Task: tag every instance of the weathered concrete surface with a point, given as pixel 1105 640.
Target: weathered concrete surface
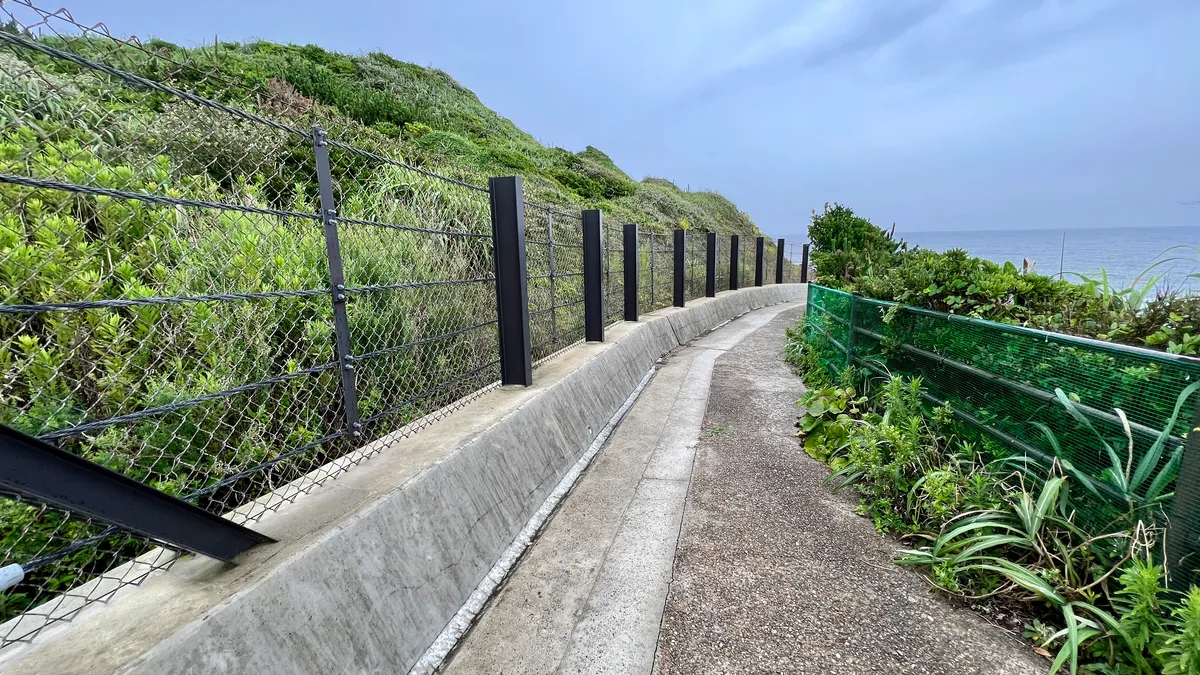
pixel 370 567
pixel 588 598
pixel 775 574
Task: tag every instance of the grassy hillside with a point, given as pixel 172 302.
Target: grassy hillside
pixel 193 330
pixel 426 117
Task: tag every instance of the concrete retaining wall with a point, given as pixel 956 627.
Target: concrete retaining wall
pixel 370 567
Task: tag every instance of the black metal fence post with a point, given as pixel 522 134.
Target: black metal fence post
pixel 760 247
pixel 593 287
pixel 512 283
pixel 631 272
pixel 779 261
pixel 733 262
pixel 680 261
pixel 1183 529
pixel 710 266
pixel 804 265
pixel 337 281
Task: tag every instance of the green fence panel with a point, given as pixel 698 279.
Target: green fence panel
pixel 1001 379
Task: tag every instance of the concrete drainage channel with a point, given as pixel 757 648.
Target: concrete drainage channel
pixel 381 570
pixel 588 596
pixel 433 657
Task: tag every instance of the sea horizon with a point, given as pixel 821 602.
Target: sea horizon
pixel 1088 253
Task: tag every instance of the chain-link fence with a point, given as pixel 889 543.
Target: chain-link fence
pixel 192 296
pixel 554 263
pixel 745 262
pixel 656 265
pixel 614 273
pixel 794 262
pixel 232 295
pixel 695 245
pixel 722 260
pixel 1001 381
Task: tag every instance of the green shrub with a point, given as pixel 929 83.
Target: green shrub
pixel 846 247
pixel 414 130
pixel 369 106
pixel 851 253
pixel 1179 648
pixel 201 140
pixel 388 129
pixel 511 159
pixel 449 145
pixel 984 532
pixel 578 183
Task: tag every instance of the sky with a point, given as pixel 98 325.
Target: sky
pixel 931 114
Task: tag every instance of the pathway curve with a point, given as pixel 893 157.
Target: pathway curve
pixel 701 540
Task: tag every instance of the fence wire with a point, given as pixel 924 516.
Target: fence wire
pixel 169 306
pixel 722 261
pixel 614 273
pixel 770 262
pixel 745 263
pixel 1000 380
pixel 656 265
pixel 166 307
pixel 794 256
pixel 695 247
pixel 554 260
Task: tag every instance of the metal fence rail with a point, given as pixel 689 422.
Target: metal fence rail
pixel 233 296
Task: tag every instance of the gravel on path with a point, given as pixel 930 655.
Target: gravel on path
pixel 775 574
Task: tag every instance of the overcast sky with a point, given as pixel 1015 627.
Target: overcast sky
pixel 934 114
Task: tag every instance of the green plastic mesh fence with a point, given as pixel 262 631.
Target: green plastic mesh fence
pixel 1001 382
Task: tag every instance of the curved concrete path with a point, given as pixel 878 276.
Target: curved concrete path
pixel 701 540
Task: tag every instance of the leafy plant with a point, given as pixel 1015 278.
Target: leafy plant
pixel 826 419
pixel 1179 650
pixel 1142 485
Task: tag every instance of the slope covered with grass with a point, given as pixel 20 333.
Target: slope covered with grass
pixel 168 259
pixel 427 117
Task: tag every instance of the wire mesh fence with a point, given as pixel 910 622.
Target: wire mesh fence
pixel 656 265
pixel 1001 381
pixel 234 295
pixel 554 263
pixel 168 306
pixel 769 262
pixel 746 263
pixel 695 247
pixel 614 273
pixel 794 257
pixel 722 260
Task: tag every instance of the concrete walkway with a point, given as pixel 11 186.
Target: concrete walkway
pixel 765 572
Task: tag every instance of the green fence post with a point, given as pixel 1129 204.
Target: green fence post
pixel 1183 529
pixel 850 335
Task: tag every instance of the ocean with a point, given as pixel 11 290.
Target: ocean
pixel 1123 252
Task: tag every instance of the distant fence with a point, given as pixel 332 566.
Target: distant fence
pixel 1000 381
pixel 231 297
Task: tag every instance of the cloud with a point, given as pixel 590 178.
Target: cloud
pixel 933 113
